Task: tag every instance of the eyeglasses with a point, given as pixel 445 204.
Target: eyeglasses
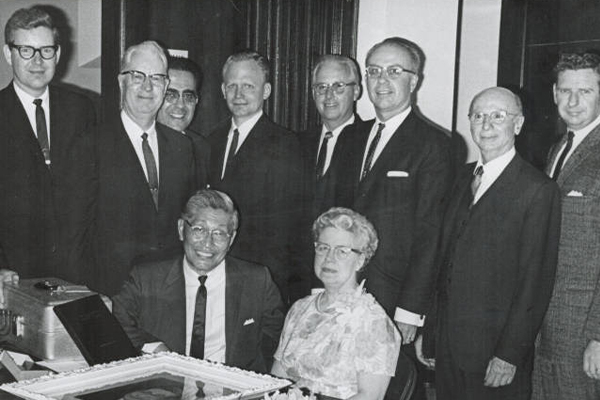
pixel 495 117
pixel 336 87
pixel 199 233
pixel 138 77
pixel 189 97
pixel 28 52
pixel 243 88
pixel 393 71
pixel 340 253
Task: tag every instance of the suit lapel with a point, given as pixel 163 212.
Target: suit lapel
pixel 21 125
pixel 233 298
pixel 585 148
pixel 252 146
pixel 503 184
pixel 165 174
pixel 174 288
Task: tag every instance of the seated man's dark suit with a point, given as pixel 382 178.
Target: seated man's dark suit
pixel 39 227
pixel 128 227
pixel 265 181
pixel 151 307
pixel 403 196
pixel 497 273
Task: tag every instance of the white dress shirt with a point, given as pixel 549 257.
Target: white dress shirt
pixel 578 137
pixel 214 337
pixel 390 127
pixel 491 171
pixel 27 102
pixel 331 145
pixel 135 136
pixel 244 130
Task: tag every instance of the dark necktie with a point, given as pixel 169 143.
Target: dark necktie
pixel 563 155
pixel 476 182
pixel 323 151
pixel 232 149
pixel 371 151
pixel 151 168
pixel 199 327
pixel 42 131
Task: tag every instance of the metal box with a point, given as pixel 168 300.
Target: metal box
pixel 29 322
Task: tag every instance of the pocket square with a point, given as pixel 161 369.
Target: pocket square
pixel 574 193
pixel 249 321
pixel 397 174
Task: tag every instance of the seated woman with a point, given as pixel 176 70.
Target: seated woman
pixel 340 342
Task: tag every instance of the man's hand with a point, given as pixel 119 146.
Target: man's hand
pixel 6 275
pixel 591 359
pixel 499 373
pixel 408 332
pixel 428 362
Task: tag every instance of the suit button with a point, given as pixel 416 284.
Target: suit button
pixel 53 248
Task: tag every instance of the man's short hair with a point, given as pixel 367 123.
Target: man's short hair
pixel 149 44
pixel 187 65
pixel 210 198
pixel 249 55
pixel 575 61
pixel 349 63
pixel 416 54
pixel 29 18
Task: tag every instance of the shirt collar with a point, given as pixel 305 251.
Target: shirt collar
pixel 495 167
pixel 213 275
pixel 133 129
pixel 26 98
pixel 583 132
pixel 336 132
pixel 247 125
pixel 393 123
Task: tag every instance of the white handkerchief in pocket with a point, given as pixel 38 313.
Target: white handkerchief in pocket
pixel 249 321
pixel 397 174
pixel 574 193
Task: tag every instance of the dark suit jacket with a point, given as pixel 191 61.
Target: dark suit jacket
pixel 127 225
pixel 151 307
pixel 265 182
pixel 38 226
pixel 498 267
pixel 406 209
pixel 202 156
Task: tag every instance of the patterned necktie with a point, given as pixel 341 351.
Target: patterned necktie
pixel 199 327
pixel 563 155
pixel 323 151
pixel 476 182
pixel 151 168
pixel 371 151
pixel 42 131
pixel 232 149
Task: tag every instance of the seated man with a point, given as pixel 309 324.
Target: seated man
pixel 205 304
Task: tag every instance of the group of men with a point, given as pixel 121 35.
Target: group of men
pixel 483 264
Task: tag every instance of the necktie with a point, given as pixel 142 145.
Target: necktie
pixel 476 182
pixel 323 151
pixel 563 155
pixel 232 149
pixel 199 327
pixel 42 131
pixel 151 168
pixel 371 151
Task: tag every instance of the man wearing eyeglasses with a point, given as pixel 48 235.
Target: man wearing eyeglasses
pixel 40 124
pixel 205 304
pixel 257 163
pixel 145 172
pixel 179 107
pixel 498 260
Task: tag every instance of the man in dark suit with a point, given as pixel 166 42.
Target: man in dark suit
pixel 258 164
pixel 145 172
pixel 499 253
pixel 567 363
pixel 179 107
pixel 39 128
pixel 238 304
pixel 399 169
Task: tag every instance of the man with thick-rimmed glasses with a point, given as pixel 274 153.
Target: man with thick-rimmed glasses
pixel 39 127
pixel 144 173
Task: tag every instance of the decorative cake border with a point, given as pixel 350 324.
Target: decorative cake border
pixel 178 363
